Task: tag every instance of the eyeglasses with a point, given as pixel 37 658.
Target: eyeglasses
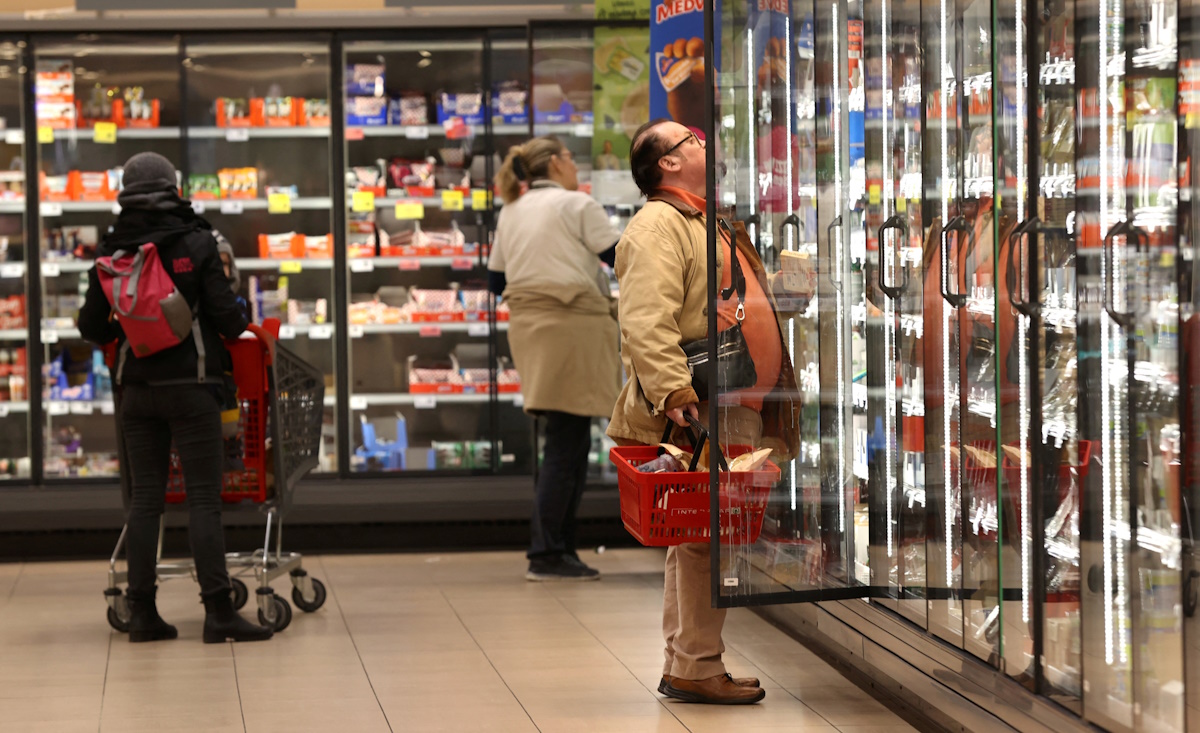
pixel 690 136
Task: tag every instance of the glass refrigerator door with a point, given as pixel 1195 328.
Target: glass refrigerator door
pixel 258 169
pixel 1017 209
pixel 508 71
pixel 789 528
pixel 1189 285
pixel 1129 330
pixel 895 431
pixel 14 331
pixel 98 104
pixel 418 192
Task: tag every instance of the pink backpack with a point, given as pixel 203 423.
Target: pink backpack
pixel 152 312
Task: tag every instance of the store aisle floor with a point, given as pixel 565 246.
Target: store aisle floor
pixel 453 642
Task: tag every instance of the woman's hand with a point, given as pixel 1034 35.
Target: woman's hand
pixel 677 415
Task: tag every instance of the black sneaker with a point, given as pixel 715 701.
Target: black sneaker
pixel 562 569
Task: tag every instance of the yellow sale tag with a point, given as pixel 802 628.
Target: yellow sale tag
pixel 291 267
pixel 279 203
pixel 410 210
pixel 901 205
pixel 480 199
pixel 873 193
pixel 364 202
pixel 452 201
pixel 105 133
pixel 45 134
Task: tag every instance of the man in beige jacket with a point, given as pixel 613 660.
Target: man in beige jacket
pixel 662 266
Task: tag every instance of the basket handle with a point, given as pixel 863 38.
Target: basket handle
pixel 693 423
pixel 266 338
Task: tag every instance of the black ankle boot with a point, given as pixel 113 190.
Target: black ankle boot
pixel 222 623
pixel 144 622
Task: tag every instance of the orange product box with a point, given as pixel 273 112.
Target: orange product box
pixel 434 388
pixel 232 112
pixel 279 246
pixel 54 188
pixel 446 317
pixel 320 247
pixel 92 185
pixel 276 111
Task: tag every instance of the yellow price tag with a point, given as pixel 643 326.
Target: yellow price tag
pixel 364 202
pixel 291 267
pixel 452 201
pixel 105 133
pixel 410 210
pixel 480 198
pixel 874 194
pixel 279 203
pixel 45 135
pixel 901 205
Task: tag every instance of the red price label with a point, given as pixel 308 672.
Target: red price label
pixel 430 332
pixel 354 133
pixel 410 265
pixel 462 263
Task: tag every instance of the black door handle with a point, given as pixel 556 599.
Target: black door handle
pixel 898 222
pixel 1123 318
pixel 957 224
pixel 836 282
pixel 1029 226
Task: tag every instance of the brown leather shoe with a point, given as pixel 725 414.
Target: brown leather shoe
pixel 739 681
pixel 719 690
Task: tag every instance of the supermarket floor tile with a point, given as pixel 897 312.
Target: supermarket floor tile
pixel 419 643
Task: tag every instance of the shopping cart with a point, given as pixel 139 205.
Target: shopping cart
pixel 282 406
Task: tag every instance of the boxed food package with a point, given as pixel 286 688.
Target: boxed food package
pixel 466 106
pixel 314 113
pixel 233 112
pixel 366 111
pixel 677 80
pixel 12 185
pixel 54 89
pixel 276 111
pixel 277 246
pixel 414 177
pixel 435 306
pixel 510 104
pixel 410 109
pixel 238 183
pixel 95 185
pixel 366 80
pixel 12 312
pixel 136 111
pixel 204 187
pixel 69 243
pixel 54 188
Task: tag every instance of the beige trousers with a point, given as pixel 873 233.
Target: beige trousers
pixel 691 626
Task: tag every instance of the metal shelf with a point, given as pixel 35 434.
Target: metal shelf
pixel 370 264
pixel 479 329
pixel 125 133
pixel 231 133
pixel 429 401
pixel 292 265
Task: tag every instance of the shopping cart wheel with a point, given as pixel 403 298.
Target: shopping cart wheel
pixel 115 621
pixel 283 614
pixel 318 597
pixel 241 593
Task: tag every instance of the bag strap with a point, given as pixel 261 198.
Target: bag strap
pixel 737 280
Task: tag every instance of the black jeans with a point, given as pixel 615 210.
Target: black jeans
pixel 152 419
pixel 560 485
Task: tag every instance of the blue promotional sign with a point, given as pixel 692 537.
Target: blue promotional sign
pixel 677 51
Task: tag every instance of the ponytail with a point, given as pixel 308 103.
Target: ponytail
pixel 526 163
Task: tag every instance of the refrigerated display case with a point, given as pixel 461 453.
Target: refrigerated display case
pixel 257 166
pixel 14 236
pixel 98 102
pixel 1004 425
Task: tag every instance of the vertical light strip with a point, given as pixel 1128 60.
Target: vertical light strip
pixel 1106 377
pixel 889 306
pixel 1023 324
pixel 840 297
pixel 751 126
pixel 947 92
pixel 789 189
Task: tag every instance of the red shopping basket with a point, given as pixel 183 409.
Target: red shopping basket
pixel 662 509
pixel 252 358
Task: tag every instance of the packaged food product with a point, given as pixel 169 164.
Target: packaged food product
pixel 238 183
pixel 204 187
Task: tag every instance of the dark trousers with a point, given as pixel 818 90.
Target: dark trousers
pixel 152 418
pixel 560 485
